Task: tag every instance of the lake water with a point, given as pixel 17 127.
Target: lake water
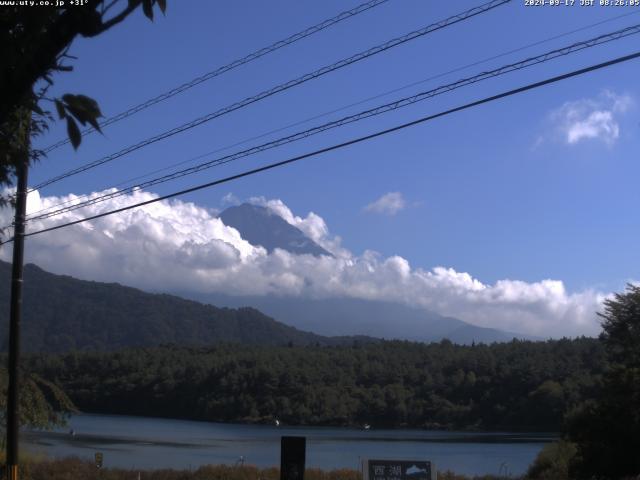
pixel 138 442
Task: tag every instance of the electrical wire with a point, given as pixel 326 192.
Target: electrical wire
pixel 226 68
pixel 360 102
pixel 282 87
pixel 403 102
pixel 354 141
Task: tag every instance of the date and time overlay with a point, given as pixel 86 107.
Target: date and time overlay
pixel 582 3
pixel 526 3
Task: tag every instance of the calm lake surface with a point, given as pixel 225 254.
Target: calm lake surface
pixel 138 442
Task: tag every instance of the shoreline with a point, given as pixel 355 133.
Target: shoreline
pixel 506 430
pixel 156 443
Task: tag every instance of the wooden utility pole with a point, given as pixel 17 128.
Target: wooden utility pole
pixel 13 415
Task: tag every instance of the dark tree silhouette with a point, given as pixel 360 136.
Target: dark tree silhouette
pixel 607 429
pixel 34 45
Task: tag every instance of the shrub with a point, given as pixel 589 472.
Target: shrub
pixel 552 463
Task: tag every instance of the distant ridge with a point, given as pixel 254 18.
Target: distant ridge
pixel 379 319
pixel 62 313
pixel 339 315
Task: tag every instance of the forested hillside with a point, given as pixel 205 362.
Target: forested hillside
pixel 517 385
pixel 62 313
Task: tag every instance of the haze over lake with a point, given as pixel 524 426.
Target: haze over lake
pixel 137 442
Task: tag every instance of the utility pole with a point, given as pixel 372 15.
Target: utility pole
pixel 13 418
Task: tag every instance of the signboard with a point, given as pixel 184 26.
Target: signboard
pixel 98 457
pixel 398 470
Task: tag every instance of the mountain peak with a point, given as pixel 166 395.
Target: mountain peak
pixel 261 226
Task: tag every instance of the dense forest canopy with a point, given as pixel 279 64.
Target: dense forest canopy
pixel 517 385
pixel 62 313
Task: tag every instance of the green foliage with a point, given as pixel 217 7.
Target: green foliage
pixel 384 384
pixel 147 7
pixel 33 47
pixel 61 313
pixel 552 463
pixel 621 328
pixel 83 109
pixel 606 427
pixel 15 133
pixel 42 403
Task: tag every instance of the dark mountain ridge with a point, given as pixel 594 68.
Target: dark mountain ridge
pixel 62 313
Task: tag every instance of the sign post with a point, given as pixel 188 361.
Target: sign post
pixel 292 458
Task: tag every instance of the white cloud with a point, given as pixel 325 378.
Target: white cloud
pixel 313 225
pixel 230 199
pixel 388 204
pixel 178 246
pixel 591 118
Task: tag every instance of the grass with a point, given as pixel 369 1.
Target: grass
pixel 73 468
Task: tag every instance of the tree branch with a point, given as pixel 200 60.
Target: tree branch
pixel 44 52
pixel 106 8
pixel 115 20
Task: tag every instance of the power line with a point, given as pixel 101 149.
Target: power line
pixel 403 102
pixel 230 66
pixel 380 133
pixel 359 116
pixel 282 87
pixel 360 102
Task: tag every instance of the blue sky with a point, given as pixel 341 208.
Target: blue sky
pixel 538 186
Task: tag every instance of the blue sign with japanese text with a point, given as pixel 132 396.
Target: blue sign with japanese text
pixel 398 470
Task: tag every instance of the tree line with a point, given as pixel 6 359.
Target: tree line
pixel 587 389
pixel 519 385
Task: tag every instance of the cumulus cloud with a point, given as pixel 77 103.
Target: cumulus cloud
pixel 388 204
pixel 592 118
pixel 313 225
pixel 181 247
